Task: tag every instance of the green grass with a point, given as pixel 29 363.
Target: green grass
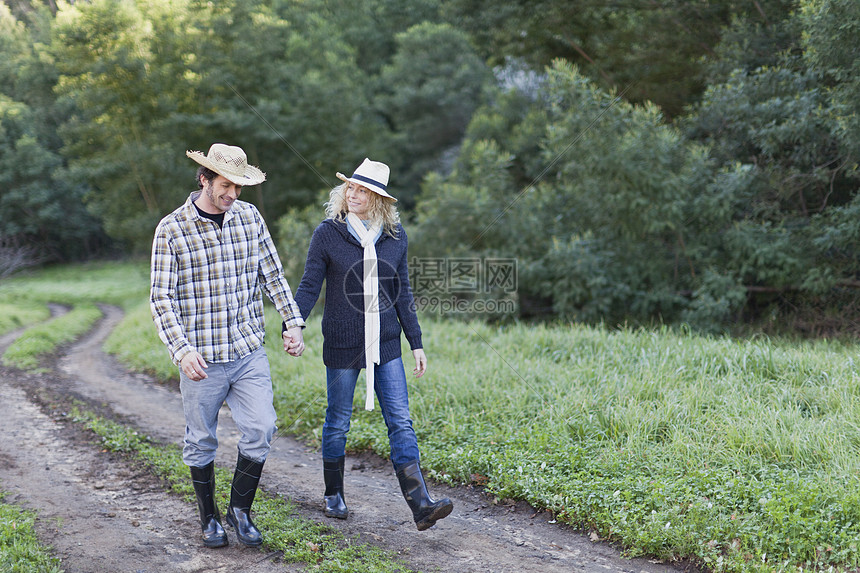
pixel 116 283
pixel 301 540
pixel 14 316
pixel 20 549
pixel 43 338
pixel 739 454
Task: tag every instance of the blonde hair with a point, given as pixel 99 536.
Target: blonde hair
pixel 379 209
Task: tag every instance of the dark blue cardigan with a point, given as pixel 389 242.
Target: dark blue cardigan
pixel 336 256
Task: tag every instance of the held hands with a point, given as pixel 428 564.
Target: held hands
pixel 193 366
pixel 294 343
pixel 420 362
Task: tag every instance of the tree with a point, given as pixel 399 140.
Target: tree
pixel 43 211
pixel 602 229
pixel 152 80
pixel 283 80
pixel 653 50
pixel 43 214
pixel 122 68
pixel 370 27
pixel 831 30
pixel 774 109
pixel 428 94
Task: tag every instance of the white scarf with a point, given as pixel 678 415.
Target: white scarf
pixel 371 302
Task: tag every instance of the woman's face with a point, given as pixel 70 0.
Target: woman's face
pixel 357 199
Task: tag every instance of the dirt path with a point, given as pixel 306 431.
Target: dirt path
pixel 103 515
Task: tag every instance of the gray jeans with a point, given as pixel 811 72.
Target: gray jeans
pixel 246 386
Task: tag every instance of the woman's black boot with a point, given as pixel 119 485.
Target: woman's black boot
pixel 204 488
pixel 335 506
pixel 425 511
pixel 245 481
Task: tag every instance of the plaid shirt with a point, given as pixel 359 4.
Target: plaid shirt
pixel 205 284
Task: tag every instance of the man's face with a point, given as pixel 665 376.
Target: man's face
pixel 220 193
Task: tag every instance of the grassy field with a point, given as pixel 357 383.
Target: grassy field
pixel 741 455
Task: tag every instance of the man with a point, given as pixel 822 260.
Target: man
pixel 211 258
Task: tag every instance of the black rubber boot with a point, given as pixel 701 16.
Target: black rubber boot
pixel 245 481
pixel 335 506
pixel 425 510
pixel 204 487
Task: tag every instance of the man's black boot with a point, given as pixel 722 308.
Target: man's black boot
pixel 245 481
pixel 335 506
pixel 425 510
pixel 204 488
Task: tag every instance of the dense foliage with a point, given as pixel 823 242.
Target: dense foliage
pixel 642 161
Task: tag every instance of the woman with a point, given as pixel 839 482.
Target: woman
pixel 360 251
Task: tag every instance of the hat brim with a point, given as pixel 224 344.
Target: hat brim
pixel 365 184
pixel 252 175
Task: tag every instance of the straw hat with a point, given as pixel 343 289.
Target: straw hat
pixel 229 161
pixel 370 174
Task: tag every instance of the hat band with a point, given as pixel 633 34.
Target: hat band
pixel 369 180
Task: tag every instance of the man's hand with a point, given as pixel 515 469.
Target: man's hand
pixel 294 342
pixel 193 365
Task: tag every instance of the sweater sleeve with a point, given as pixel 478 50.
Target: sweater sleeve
pixel 405 304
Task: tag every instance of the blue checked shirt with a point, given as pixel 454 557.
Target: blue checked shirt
pixel 206 283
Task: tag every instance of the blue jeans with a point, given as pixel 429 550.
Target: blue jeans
pixel 246 386
pixel 390 387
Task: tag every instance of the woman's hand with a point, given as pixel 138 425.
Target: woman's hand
pixel 294 343
pixel 420 362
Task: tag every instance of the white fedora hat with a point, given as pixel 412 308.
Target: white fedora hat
pixel 229 161
pixel 370 174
